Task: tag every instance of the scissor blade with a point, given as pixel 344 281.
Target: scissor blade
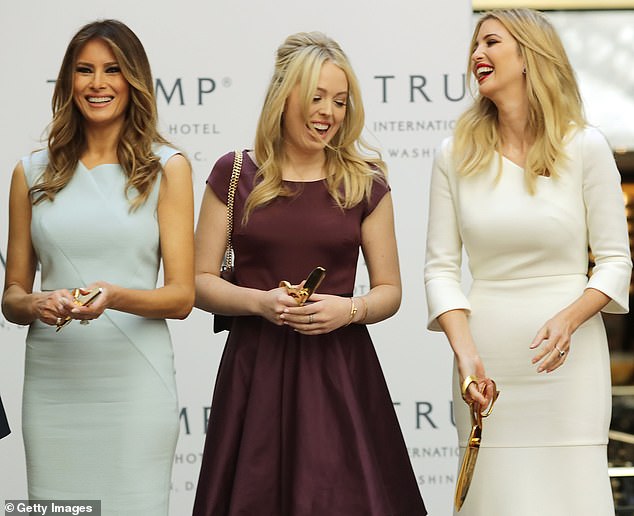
pixel 314 279
pixel 467 467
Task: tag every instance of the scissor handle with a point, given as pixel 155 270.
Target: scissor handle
pixel 475 408
pixel 489 409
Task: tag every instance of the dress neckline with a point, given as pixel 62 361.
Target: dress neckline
pixel 311 181
pixel 81 163
pixel 509 160
pixel 521 169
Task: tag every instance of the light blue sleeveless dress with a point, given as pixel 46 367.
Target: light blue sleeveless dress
pixel 100 414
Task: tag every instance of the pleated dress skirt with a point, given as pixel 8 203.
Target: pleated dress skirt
pixel 303 426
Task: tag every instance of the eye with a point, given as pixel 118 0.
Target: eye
pixel 491 42
pixel 83 69
pixel 341 103
pixel 113 69
pixel 316 98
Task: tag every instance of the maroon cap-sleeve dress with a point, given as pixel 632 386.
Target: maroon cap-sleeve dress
pixel 301 425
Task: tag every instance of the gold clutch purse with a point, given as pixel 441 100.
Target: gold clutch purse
pixel 81 297
pixel 313 281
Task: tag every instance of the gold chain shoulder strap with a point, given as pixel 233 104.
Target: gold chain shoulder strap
pixel 233 185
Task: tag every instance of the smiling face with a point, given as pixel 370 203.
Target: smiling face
pixel 100 91
pixel 312 131
pixel 496 61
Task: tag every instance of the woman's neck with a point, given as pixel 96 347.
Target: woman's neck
pixel 101 145
pixel 298 166
pixel 515 139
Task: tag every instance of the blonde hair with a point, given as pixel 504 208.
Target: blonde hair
pixel 67 139
pixel 350 173
pixel 554 103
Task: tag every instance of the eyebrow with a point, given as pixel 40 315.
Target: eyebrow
pixel 491 34
pixel 322 90
pixel 89 63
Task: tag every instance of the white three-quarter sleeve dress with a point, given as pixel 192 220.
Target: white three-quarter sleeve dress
pixel 543 450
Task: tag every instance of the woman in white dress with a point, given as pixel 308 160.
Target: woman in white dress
pixel 527 187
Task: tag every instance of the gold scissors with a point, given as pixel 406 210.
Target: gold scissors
pixel 473 444
pixel 81 297
pixel 310 285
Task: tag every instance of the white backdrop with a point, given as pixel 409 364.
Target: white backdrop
pixel 214 60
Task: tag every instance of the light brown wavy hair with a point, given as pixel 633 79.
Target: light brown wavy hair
pixel 350 172
pixel 67 139
pixel 555 106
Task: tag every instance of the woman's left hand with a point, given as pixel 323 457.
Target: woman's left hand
pixel 95 308
pixel 554 337
pixel 323 313
pixel 553 341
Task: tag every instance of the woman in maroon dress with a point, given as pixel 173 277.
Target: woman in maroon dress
pixel 302 423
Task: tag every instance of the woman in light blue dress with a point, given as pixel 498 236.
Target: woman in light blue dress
pixel 101 206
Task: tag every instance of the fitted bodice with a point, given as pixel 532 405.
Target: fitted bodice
pixel 88 232
pixel 510 233
pixel 286 238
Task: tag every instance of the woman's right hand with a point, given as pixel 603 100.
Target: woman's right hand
pixel 273 303
pixel 480 391
pixel 456 326
pixel 54 305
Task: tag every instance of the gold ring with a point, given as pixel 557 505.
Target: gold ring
pixel 59 321
pixel 465 385
pixel 561 352
pixel 310 318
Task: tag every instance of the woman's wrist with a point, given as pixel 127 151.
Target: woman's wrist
pixel 362 314
pixel 467 356
pixel 358 310
pixel 353 311
pixel 34 302
pixel 256 302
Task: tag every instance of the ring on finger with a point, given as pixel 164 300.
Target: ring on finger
pixel 560 351
pixel 58 321
pixel 310 318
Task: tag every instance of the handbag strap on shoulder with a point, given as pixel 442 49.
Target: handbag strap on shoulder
pixel 233 185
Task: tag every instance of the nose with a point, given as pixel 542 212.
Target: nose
pixel 325 107
pixel 98 78
pixel 477 55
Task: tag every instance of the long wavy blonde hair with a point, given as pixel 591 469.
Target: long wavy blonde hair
pixel 350 172
pixel 67 139
pixel 555 106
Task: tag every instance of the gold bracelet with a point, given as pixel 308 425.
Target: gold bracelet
pixel 353 310
pixel 365 310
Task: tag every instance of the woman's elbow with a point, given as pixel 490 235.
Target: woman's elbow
pixel 392 300
pixel 183 306
pixel 393 307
